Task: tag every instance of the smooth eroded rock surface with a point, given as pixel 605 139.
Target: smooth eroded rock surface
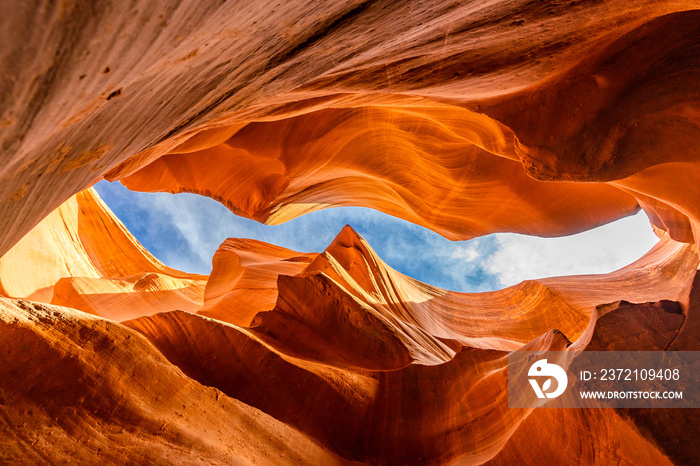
pixel 468 118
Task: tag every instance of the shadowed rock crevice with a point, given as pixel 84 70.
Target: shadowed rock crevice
pixel 624 326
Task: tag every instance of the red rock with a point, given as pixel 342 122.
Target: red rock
pixel 542 118
pixel 81 256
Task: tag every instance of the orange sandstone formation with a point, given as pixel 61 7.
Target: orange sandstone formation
pixel 587 91
pixel 545 118
pixel 82 257
pixel 410 373
pixel 432 166
pixel 391 357
pixel 504 319
pixel 77 388
pixel 244 278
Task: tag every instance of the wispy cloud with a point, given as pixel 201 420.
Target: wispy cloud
pixel 600 250
pixel 185 230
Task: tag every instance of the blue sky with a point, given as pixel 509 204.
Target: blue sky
pixel 184 231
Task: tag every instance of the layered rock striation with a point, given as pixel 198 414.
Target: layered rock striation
pixel 427 111
pixel 469 118
pixel 81 256
pixel 357 362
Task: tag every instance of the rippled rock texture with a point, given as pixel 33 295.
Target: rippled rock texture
pixel 544 118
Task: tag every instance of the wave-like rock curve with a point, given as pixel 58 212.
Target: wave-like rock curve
pixel 545 118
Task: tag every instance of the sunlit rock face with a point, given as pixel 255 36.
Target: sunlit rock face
pixel 81 256
pixel 296 336
pixel 543 118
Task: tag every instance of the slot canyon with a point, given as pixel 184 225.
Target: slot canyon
pixel 467 118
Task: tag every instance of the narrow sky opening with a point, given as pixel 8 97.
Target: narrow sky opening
pixel 184 231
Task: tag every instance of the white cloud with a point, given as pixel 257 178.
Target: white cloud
pixel 465 253
pixel 596 251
